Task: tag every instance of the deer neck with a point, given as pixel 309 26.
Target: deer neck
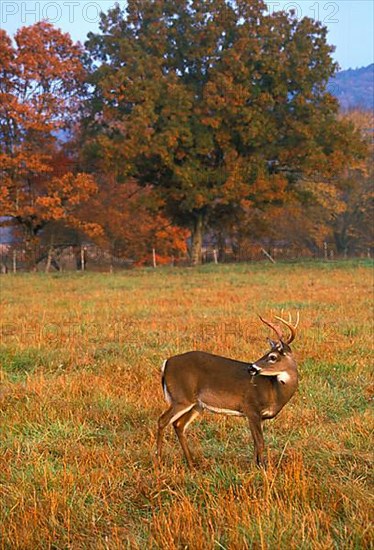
pixel 281 389
pixel 285 386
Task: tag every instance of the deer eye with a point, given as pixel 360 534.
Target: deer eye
pixel 272 358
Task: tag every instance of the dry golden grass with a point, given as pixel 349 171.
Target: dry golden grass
pixel 81 393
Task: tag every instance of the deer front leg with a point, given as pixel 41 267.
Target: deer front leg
pixel 258 439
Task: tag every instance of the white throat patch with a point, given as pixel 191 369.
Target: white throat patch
pixel 283 377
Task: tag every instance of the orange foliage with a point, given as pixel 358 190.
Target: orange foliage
pixel 41 77
pixel 133 224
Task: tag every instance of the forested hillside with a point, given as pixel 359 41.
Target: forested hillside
pixel 354 88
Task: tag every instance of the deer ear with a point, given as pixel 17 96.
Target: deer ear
pixel 282 347
pixel 273 343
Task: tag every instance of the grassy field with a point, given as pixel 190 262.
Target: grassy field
pixel 81 394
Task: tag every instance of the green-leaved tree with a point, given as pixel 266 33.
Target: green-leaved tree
pixel 214 103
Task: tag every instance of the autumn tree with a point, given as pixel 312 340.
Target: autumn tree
pixel 338 207
pixel 337 210
pixel 133 223
pixel 352 225
pixel 41 77
pixel 213 103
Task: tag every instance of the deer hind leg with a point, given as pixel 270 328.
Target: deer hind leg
pixel 180 426
pixel 170 416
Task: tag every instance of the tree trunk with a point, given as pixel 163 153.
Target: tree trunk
pixel 31 233
pixel 342 242
pixel 197 239
pixel 221 242
pixel 31 245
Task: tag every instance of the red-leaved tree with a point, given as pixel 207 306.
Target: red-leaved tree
pixel 41 80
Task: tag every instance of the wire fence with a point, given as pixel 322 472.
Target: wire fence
pixel 90 257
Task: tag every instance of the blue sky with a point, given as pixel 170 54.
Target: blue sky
pixel 350 22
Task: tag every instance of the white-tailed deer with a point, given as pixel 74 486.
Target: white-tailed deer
pixel 198 381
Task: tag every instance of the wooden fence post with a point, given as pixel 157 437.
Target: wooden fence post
pixel 268 255
pixel 49 260
pixel 82 259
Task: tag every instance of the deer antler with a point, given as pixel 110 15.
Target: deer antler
pixel 276 329
pixel 292 328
